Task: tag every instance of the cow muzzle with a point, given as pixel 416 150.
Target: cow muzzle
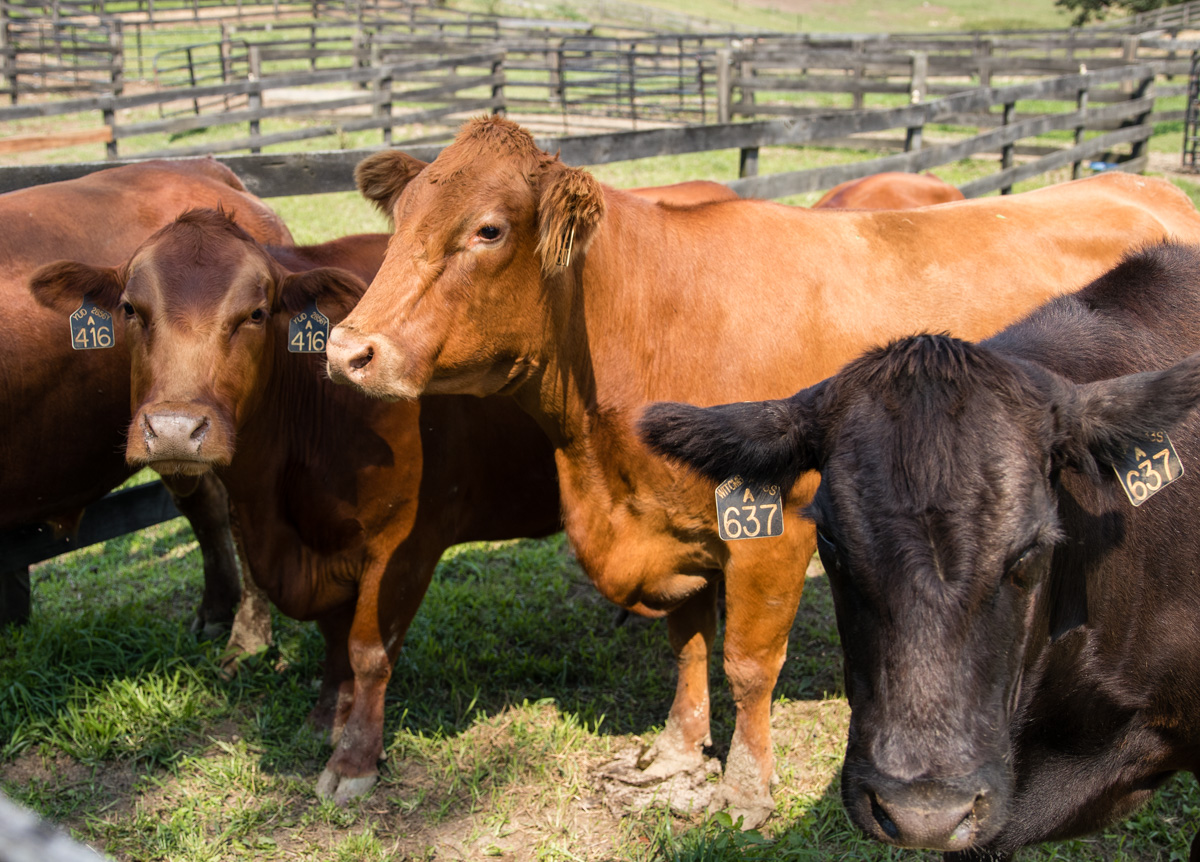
pixel 946 815
pixel 172 440
pixel 367 363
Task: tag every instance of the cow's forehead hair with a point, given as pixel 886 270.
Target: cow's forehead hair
pixel 207 248
pixel 483 143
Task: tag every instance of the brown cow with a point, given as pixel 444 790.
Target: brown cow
pixel 50 393
pixel 343 503
pixel 891 190
pixel 687 193
pixel 511 272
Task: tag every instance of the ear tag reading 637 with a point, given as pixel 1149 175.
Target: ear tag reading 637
pixel 1148 467
pixel 91 327
pixel 746 511
pixel 308 331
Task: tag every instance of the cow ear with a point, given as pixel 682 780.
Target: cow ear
pixel 63 285
pixel 570 207
pixel 1099 421
pixel 381 177
pixel 768 442
pixel 335 291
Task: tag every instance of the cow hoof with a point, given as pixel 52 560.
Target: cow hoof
pixel 343 790
pixel 752 813
pixel 209 630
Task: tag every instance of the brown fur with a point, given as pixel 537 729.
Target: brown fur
pixel 48 391
pixel 344 504
pixel 724 302
pixel 891 190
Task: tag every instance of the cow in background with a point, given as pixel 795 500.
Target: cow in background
pixel 64 412
pixel 890 190
pixel 343 504
pixel 1020 620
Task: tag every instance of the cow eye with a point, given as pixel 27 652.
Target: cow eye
pixel 258 315
pixel 489 232
pixel 1020 571
pixel 128 309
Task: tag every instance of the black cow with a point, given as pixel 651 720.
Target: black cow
pixel 1022 645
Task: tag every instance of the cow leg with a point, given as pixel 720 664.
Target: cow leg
pixel 206 506
pixel 759 614
pixel 386 607
pixel 337 683
pixel 692 627
pixel 15 597
pixel 251 633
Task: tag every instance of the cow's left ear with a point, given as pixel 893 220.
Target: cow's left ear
pixel 382 177
pixel 570 206
pixel 768 442
pixel 1099 421
pixel 335 291
pixel 63 285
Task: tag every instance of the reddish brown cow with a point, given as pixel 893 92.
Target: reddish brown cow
pixel 343 503
pixel 688 193
pixel 891 190
pixel 50 392
pixel 511 272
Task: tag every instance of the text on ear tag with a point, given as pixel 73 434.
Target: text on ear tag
pixel 746 511
pixel 565 245
pixel 1148 467
pixel 308 331
pixel 91 327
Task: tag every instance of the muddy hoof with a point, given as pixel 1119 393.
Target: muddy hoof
pixel 343 790
pixel 626 787
pixel 746 813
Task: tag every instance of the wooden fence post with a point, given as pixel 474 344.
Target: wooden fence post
pixel 312 47
pixel 724 93
pixel 984 58
pixel 383 96
pixel 226 50
pixel 1144 90
pixel 746 76
pixel 254 97
pixel 748 162
pixel 631 62
pixel 920 64
pixel 857 71
pixel 117 59
pixel 8 56
pixel 1081 103
pixel 498 88
pixel 1006 151
pixel 109 115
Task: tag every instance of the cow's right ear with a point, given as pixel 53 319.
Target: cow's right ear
pixel 767 442
pixel 63 285
pixel 382 177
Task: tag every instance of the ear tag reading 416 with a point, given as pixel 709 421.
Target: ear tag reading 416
pixel 91 327
pixel 746 511
pixel 1148 467
pixel 308 331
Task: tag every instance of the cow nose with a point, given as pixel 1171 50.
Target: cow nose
pixel 928 814
pixel 174 433
pixel 349 356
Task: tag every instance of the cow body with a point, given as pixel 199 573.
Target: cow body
pixel 891 190
pixel 688 193
pixel 730 300
pixel 343 504
pixel 1022 643
pixel 50 392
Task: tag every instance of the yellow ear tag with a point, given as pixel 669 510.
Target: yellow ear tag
pixel 565 245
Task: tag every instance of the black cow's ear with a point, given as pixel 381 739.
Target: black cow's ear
pixel 335 291
pixel 382 177
pixel 761 441
pixel 63 285
pixel 1101 420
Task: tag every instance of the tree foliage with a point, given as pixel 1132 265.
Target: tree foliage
pixel 1097 10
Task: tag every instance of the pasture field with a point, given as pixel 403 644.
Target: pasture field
pixel 514 689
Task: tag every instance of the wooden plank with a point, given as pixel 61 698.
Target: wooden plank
pixel 114 515
pixel 30 143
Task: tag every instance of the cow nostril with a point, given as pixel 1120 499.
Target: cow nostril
pixel 363 359
pixel 881 817
pixel 201 430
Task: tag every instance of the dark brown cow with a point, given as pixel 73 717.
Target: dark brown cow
pixel 1022 644
pixel 63 412
pixel 511 272
pixel 891 190
pixel 343 503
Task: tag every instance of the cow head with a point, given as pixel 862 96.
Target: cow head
pixel 937 523
pixel 483 234
pixel 205 311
